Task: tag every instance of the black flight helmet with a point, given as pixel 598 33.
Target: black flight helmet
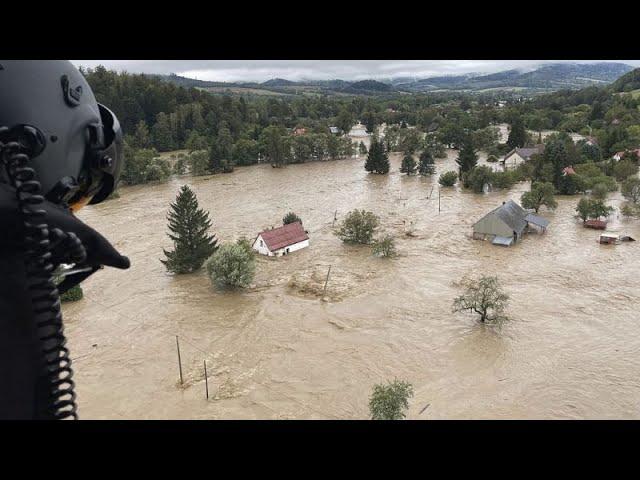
pixel 75 143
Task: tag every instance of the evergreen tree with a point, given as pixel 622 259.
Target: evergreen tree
pixel 189 227
pixel 467 158
pixel 369 120
pixel 517 135
pixel 377 159
pixel 142 137
pixel 408 165
pixel 427 165
pixel 216 160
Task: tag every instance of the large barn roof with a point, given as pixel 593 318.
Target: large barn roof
pixel 513 215
pixel 510 213
pixel 284 236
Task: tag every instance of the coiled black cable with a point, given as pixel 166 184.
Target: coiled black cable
pixel 55 358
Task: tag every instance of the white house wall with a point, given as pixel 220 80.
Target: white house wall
pixel 293 248
pixel 263 250
pixel 261 247
pixel 513 161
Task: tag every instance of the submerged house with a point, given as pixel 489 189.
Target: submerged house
pixel 507 224
pixel 282 240
pixel 518 156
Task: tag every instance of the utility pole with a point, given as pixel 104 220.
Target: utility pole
pixel 438 199
pixel 206 379
pixel 179 361
pixel 326 281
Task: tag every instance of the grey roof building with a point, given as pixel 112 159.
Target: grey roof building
pixel 506 224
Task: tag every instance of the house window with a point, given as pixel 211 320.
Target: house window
pixel 261 243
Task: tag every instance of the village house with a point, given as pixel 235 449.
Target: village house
pixel 507 224
pixel 280 241
pixel 619 155
pixel 358 130
pixel 334 130
pixel 299 131
pixel 518 156
pixel 568 171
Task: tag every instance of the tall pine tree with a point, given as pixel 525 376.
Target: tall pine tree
pixel 189 226
pixel 467 158
pixel 408 165
pixel 426 165
pixel 517 135
pixel 377 158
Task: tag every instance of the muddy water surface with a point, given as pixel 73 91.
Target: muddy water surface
pixel 571 349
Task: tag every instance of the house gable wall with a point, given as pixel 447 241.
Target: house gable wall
pixel 491 224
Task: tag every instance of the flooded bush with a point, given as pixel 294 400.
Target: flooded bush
pixel 631 189
pixel 591 208
pixel 483 296
pixel 198 163
pixel 385 246
pixel 478 177
pixel 143 166
pixel 72 295
pixel 505 179
pixel 390 401
pixel 541 193
pixel 233 265
pixel 624 169
pixel 448 179
pixel 291 218
pixel 358 226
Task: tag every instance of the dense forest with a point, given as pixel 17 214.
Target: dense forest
pixel 220 131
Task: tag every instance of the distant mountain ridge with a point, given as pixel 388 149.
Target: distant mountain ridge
pixel 548 77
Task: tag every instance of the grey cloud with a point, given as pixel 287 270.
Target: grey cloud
pixel 260 70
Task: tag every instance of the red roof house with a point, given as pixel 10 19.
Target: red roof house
pixel 568 170
pixel 282 240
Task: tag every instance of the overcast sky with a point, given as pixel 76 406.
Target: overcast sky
pixel 261 70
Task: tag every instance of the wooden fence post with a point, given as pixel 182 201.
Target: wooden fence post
pixel 179 361
pixel 206 379
pixel 326 281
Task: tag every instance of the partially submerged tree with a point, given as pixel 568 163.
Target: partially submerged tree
pixel 518 134
pixel 591 208
pixel 384 246
pixel 467 158
pixel 408 165
pixel 233 265
pixel 478 177
pixel 484 297
pixel 631 190
pixel 291 218
pixel 72 295
pixel 390 401
pixel 448 179
pixel 377 158
pixel 427 165
pixel 541 194
pixel 189 226
pixel 358 227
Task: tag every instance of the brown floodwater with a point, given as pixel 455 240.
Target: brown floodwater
pixel 278 350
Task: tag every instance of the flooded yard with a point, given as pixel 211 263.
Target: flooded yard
pixel 277 350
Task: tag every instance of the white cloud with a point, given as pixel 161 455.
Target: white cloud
pixel 261 70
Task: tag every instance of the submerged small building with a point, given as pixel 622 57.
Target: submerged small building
pixel 282 240
pixel 507 224
pixel 518 156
